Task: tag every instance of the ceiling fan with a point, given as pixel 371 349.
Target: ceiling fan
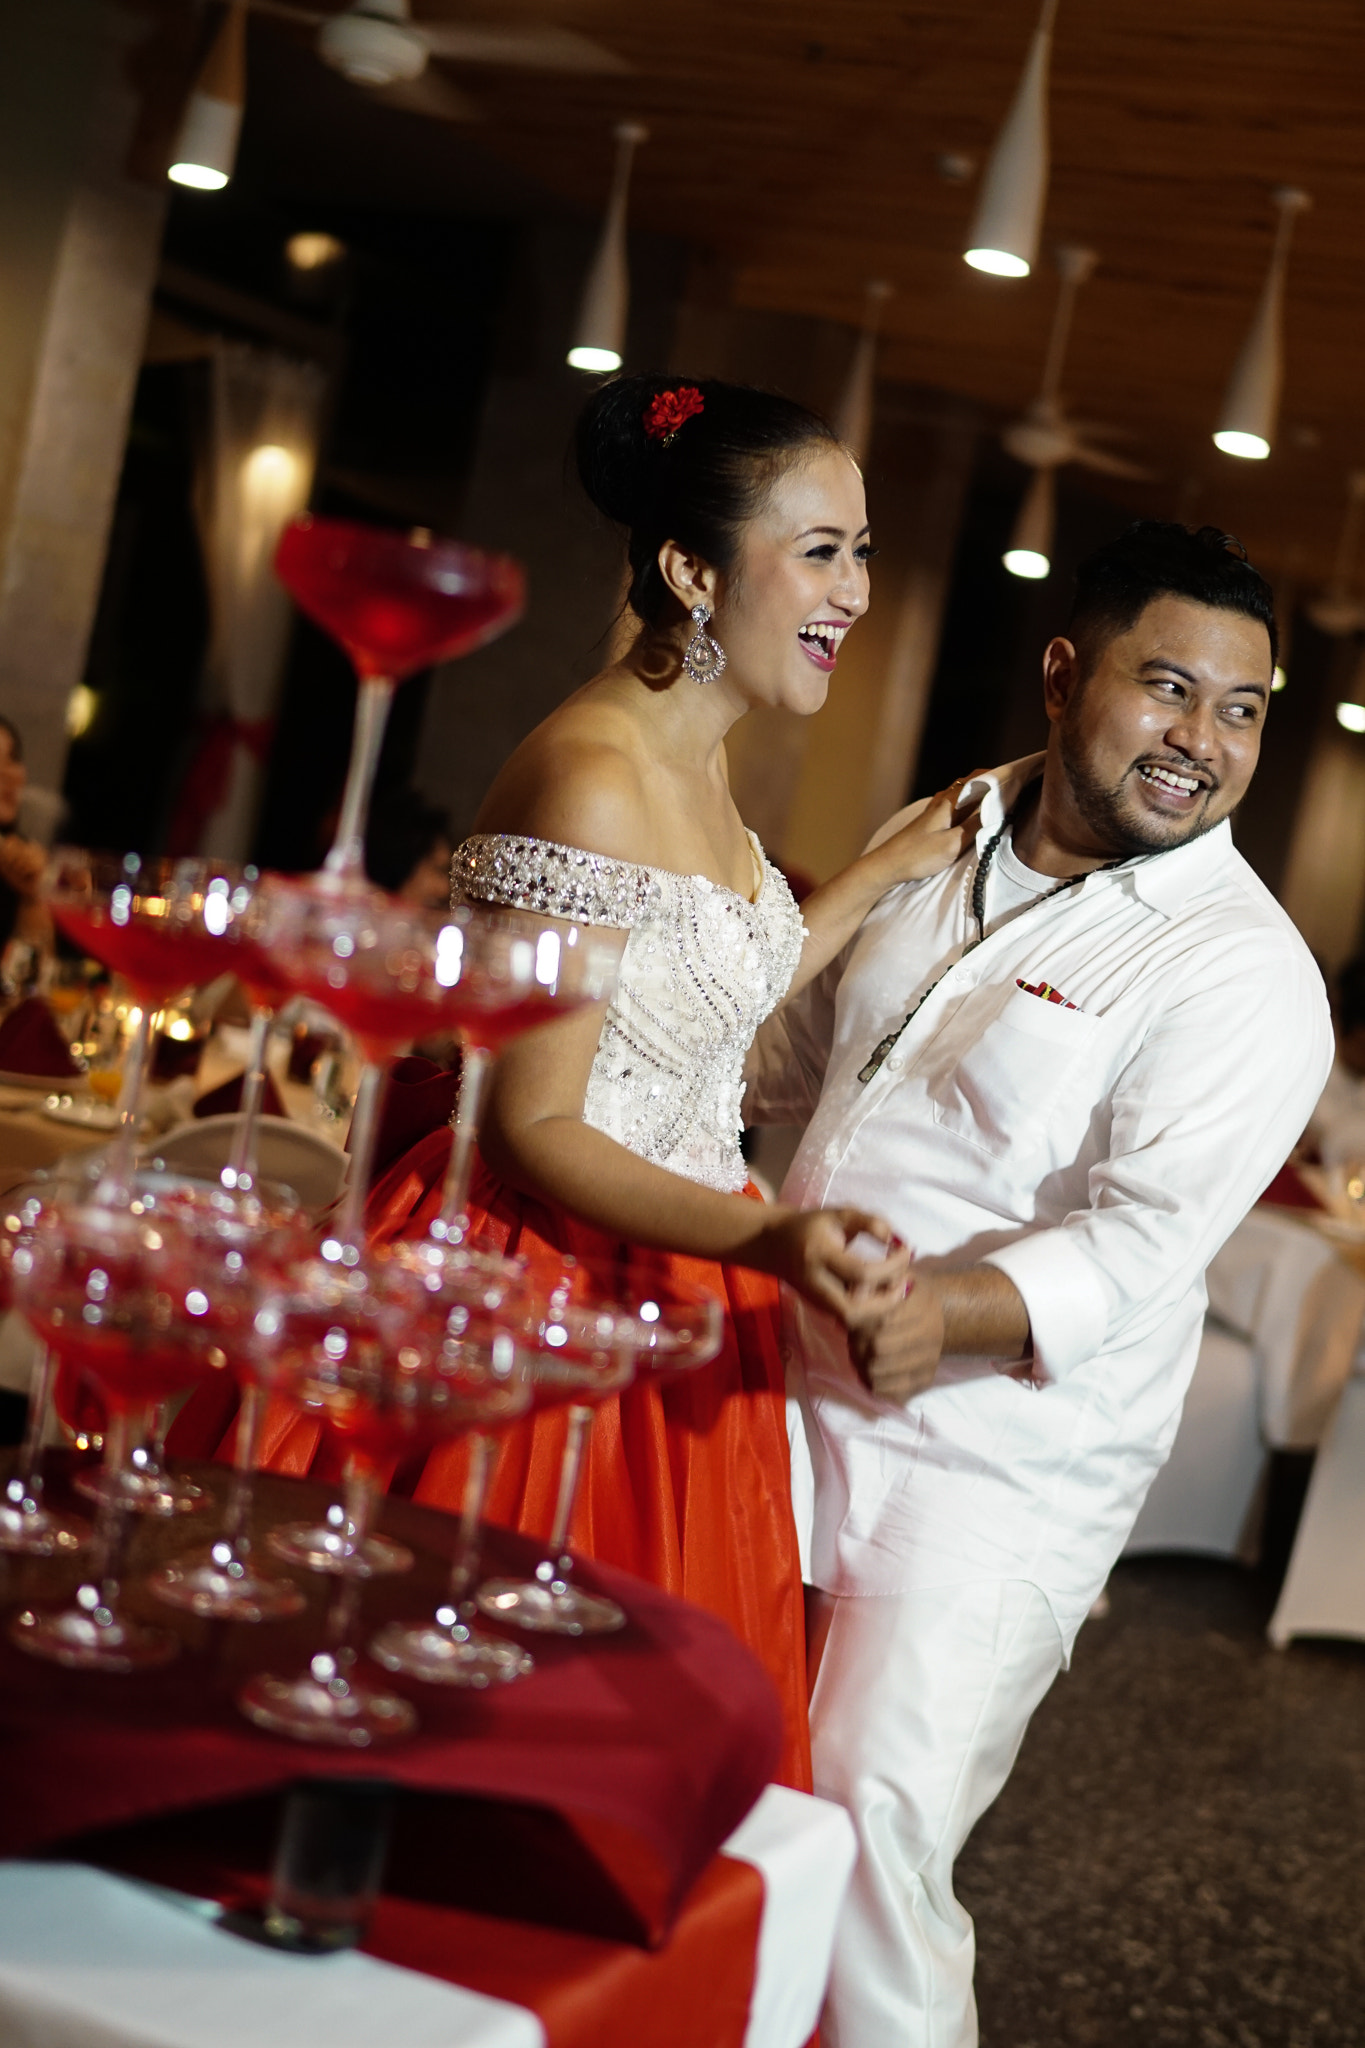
pixel 377 44
pixel 1045 438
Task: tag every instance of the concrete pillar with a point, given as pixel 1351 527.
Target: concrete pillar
pixel 79 239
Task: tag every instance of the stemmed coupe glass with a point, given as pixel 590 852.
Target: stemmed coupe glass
pixel 397 602
pixel 597 1328
pixel 232 1248
pixel 164 926
pixel 507 971
pixel 142 919
pixel 386 1372
pixel 27 1526
pixel 477 1310
pixel 105 1289
pixel 393 972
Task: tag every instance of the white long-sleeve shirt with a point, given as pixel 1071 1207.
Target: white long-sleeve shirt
pixel 1098 1155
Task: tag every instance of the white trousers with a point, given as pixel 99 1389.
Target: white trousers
pixel 918 1712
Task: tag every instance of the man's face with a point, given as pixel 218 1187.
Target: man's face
pixel 1159 742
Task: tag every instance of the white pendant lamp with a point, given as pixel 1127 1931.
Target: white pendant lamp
pixel 206 147
pixel 1009 213
pixel 1246 424
pixel 853 414
pixel 1029 553
pixel 599 343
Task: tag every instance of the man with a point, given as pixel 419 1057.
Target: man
pixel 1064 1069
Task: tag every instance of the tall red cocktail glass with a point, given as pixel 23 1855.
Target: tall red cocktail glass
pixel 150 921
pixel 232 1249
pixel 396 602
pixel 595 1330
pixel 505 972
pixel 105 1288
pixel 367 1364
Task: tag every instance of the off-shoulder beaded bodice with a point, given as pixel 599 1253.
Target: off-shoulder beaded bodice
pixel 701 970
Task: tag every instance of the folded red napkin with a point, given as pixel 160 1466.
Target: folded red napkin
pixel 226 1098
pixel 1289 1190
pixel 419 1098
pixel 31 1043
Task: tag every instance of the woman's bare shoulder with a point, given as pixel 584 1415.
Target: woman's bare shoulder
pixel 578 779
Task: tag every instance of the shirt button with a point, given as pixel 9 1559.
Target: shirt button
pixel 895 1063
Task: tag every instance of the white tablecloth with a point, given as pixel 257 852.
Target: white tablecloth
pixel 1279 1283
pixel 88 1960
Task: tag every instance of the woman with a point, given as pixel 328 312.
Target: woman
pixel 748 549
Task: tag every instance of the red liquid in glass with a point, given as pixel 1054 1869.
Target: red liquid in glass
pixel 382 1019
pixel 257 972
pixel 156 958
pixel 490 1025
pixel 376 1411
pixel 396 605
pixel 130 1371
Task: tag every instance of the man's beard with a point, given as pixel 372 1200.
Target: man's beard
pixel 1113 817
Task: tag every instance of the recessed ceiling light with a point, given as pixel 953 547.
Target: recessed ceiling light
pixel 1352 716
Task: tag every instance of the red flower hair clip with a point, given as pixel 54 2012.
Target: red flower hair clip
pixel 670 410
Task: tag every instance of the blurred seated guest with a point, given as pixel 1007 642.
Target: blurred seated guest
pixel 408 850
pixel 22 914
pixel 1337 1126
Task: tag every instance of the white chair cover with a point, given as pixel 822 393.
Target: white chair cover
pixel 1324 1589
pixel 1282 1286
pixel 1208 1496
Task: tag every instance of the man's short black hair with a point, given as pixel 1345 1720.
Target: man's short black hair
pixel 1158 558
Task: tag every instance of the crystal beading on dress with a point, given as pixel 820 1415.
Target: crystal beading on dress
pixel 702 968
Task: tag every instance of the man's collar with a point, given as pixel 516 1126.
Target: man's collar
pixel 1163 880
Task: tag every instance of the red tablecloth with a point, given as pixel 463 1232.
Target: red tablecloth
pixel 624 1761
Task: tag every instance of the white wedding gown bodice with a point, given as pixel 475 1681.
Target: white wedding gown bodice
pixel 702 968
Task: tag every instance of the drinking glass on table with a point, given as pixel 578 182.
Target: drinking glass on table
pixel 105 1289
pixel 28 1527
pixel 397 602
pixel 505 972
pixel 230 1253
pixel 473 1313
pixel 144 920
pixel 597 1328
pixel 365 1363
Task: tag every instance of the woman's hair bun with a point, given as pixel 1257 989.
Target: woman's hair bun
pixel 696 485
pixel 615 455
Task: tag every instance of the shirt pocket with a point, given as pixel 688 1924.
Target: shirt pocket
pixel 1000 1092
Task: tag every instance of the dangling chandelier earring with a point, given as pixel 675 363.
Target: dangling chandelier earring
pixel 704 658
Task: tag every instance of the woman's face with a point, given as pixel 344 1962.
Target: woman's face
pixel 13 776
pixel 798 584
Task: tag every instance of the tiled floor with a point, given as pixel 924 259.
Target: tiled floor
pixel 1179 1858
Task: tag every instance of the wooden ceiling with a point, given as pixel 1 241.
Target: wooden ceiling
pixel 801 144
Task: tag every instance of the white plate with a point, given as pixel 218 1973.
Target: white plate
pixel 86 1110
pixel 69 1084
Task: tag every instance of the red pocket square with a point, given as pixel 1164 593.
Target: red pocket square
pixel 1045 989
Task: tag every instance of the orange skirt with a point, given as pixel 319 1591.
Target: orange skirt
pixel 685 1483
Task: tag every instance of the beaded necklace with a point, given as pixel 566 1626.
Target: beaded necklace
pixel 978 902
